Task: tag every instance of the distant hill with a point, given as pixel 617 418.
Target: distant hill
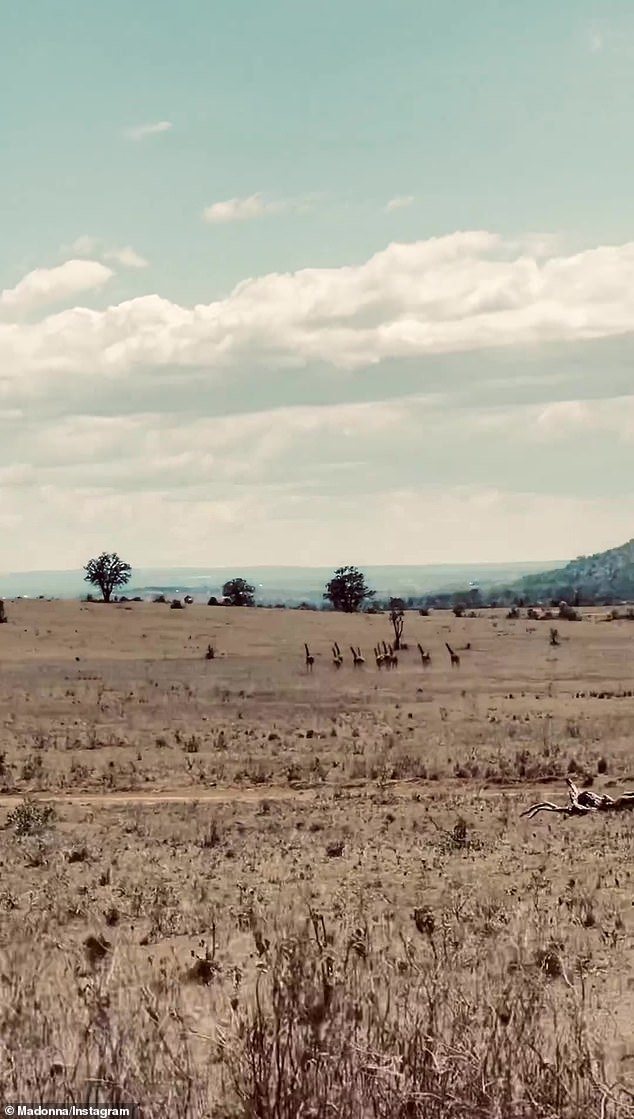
pixel 603 576
pixel 290 585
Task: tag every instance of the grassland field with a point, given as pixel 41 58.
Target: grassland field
pixel 235 888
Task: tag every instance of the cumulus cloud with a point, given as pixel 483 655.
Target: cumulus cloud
pixel 241 209
pixel 141 131
pixel 54 285
pixel 400 202
pixel 113 420
pixel 464 292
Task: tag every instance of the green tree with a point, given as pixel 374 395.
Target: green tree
pixel 237 592
pixel 347 590
pixel 107 572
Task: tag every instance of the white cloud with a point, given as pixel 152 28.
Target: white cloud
pixel 54 285
pixel 304 447
pixel 84 246
pixel 569 418
pixel 275 524
pixel 127 257
pixel 595 40
pixel 463 292
pixel 87 246
pixel 241 209
pixel 141 131
pixel 553 422
pixel 559 418
pixel 320 483
pixel 611 41
pixel 400 202
pixel 152 448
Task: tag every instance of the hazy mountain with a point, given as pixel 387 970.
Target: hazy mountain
pixel 275 584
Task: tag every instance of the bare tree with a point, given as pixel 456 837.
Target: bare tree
pixel 397 618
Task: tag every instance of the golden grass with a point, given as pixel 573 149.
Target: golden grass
pixel 343 913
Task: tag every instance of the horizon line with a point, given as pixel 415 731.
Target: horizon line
pixel 284 566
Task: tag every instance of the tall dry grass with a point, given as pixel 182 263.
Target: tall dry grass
pixel 355 953
pixel 342 1020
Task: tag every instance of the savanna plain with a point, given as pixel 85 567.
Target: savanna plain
pixel 241 887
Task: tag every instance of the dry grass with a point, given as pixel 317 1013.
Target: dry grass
pixel 343 913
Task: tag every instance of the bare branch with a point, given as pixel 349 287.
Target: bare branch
pixel 581 802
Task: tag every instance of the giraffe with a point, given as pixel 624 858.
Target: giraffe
pixel 455 659
pixel 310 660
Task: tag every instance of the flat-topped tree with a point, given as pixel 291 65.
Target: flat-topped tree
pixel 108 572
pixel 347 590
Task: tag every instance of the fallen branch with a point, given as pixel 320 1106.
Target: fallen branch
pixel 583 801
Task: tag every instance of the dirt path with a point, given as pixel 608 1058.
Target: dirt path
pixel 429 790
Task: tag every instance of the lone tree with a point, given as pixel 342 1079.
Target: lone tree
pixel 107 572
pixel 397 618
pixel 237 592
pixel 347 590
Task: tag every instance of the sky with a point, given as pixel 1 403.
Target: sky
pixel 315 283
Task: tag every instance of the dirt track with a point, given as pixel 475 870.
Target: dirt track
pixel 228 794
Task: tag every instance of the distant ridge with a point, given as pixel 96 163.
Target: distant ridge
pixel 281 584
pixel 602 576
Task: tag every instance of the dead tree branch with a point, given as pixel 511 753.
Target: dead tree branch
pixel 583 801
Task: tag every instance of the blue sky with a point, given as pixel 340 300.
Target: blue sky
pixel 315 283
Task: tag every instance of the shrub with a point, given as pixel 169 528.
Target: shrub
pixel 31 818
